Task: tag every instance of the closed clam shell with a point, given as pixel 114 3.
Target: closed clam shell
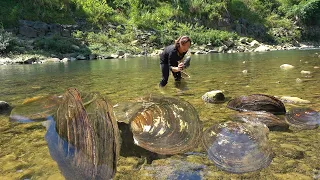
pixel 257 102
pixel 303 118
pixel 166 125
pixel 270 120
pixel 85 139
pixel 238 147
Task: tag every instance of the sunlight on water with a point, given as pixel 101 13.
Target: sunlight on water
pixel 24 153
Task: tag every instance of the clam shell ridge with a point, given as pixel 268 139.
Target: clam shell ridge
pixel 257 102
pixel 238 147
pixel 303 118
pixel 91 132
pixel 166 126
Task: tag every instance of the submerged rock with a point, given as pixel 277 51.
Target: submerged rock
pixel 215 96
pixel 289 99
pixel 4 106
pixel 286 66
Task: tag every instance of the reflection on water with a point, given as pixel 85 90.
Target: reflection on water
pixel 24 152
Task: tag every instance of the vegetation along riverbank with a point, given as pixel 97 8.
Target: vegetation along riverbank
pixel 37 31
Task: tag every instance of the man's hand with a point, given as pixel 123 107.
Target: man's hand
pixel 180 66
pixel 176 69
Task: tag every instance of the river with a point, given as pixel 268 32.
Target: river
pixel 24 153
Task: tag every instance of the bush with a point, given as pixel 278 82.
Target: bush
pixel 5 39
pixel 59 44
pixel 309 14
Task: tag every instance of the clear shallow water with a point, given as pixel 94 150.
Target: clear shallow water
pixel 24 153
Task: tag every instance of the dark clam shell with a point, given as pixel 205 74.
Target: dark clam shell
pixel 257 102
pixel 86 145
pixel 303 118
pixel 166 126
pixel 270 120
pixel 238 147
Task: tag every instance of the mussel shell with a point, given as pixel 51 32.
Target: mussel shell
pixel 166 126
pixel 257 102
pixel 238 147
pixel 36 109
pixel 124 111
pixel 303 118
pixel 266 118
pixel 91 133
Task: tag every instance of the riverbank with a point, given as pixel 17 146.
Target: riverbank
pixel 243 45
pixel 38 42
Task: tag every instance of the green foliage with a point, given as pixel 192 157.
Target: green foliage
pixel 310 13
pixel 96 11
pixel 198 34
pixel 6 39
pixel 274 21
pixel 167 18
pixel 59 44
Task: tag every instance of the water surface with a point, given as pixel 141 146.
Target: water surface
pixel 24 152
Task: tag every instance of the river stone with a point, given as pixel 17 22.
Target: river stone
pixel 286 66
pixel 213 96
pixel 305 72
pixel 293 100
pixel 4 106
pixel 262 48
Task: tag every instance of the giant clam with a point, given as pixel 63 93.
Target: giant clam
pixel 35 109
pixel 303 118
pixel 270 120
pixel 82 136
pixel 238 147
pixel 166 125
pixel 257 102
pixel 92 131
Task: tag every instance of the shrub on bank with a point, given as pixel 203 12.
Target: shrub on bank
pixel 6 40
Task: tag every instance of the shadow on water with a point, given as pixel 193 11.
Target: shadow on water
pixel 128 148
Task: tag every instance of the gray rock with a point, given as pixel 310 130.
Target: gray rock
pixel 120 53
pixel 92 56
pixel 28 32
pixel 81 57
pixel 262 48
pixel 254 44
pixel 215 96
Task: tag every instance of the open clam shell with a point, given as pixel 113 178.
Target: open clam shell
pixel 124 111
pixel 238 147
pixel 35 109
pixel 270 120
pixel 257 102
pixel 166 126
pixel 303 118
